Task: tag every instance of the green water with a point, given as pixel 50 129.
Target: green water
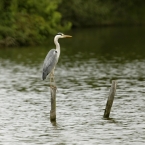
pixel 124 42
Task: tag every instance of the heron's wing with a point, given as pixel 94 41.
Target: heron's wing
pixel 49 62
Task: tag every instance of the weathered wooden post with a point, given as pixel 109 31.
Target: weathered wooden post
pixel 53 89
pixel 110 99
pixel 53 103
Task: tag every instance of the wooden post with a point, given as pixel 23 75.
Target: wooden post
pixel 53 98
pixel 53 104
pixel 110 99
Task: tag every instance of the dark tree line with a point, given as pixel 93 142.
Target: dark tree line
pixel 103 12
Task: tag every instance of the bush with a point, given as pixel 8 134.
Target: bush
pixel 29 22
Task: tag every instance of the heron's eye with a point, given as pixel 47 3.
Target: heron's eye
pixel 55 51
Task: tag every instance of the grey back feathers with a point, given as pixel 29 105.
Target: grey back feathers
pixel 49 63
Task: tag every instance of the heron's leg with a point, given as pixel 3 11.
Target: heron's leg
pixel 52 79
pixel 53 75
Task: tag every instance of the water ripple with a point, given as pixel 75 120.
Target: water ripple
pixel 83 88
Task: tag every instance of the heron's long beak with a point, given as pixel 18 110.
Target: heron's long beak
pixel 66 36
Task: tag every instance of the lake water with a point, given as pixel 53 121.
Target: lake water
pixel 89 61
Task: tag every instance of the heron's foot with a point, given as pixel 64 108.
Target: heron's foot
pixel 53 86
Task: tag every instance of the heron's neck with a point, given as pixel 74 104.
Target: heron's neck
pixel 57 45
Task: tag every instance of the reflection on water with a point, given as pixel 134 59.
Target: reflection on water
pixel 88 63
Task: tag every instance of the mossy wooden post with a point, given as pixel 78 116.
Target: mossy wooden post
pixel 53 103
pixel 110 99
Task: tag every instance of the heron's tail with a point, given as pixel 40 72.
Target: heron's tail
pixel 43 76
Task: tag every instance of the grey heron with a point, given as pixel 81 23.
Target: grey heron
pixel 52 57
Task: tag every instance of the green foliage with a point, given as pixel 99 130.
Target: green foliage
pixel 29 22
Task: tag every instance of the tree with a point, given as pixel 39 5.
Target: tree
pixel 28 22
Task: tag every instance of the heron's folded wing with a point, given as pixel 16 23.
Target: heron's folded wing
pixel 49 62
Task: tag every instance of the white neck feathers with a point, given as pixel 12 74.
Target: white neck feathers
pixel 57 44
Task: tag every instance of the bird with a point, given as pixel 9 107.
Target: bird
pixel 52 57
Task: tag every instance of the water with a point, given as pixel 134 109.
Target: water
pixel 89 62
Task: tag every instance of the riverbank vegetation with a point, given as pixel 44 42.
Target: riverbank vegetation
pixel 29 22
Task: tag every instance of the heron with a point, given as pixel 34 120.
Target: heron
pixel 52 57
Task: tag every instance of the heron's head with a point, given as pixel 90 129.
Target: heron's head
pixel 61 35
